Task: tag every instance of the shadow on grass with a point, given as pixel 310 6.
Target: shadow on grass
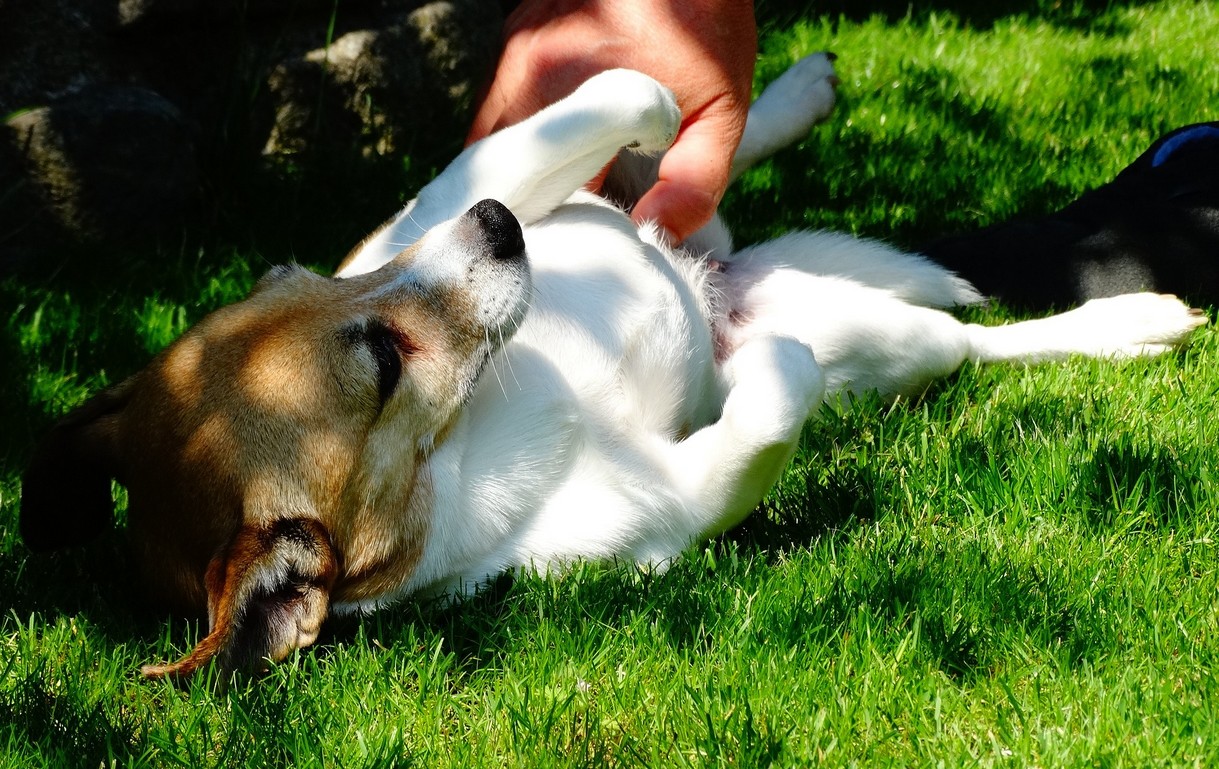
pixel 971 606
pixel 964 628
pixel 97 582
pixel 1125 485
pixel 67 728
pixel 1121 69
pixel 60 704
pixel 851 179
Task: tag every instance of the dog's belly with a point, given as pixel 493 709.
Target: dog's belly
pixel 614 356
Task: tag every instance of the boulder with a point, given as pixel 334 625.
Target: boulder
pixel 125 118
pixel 104 162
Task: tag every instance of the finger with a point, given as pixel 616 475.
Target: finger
pixel 678 209
pixel 692 178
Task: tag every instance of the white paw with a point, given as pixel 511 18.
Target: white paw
pixel 1140 324
pixel 775 385
pixel 790 106
pixel 804 95
pixel 642 103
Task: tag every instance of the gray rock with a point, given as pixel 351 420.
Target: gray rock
pixel 377 89
pixel 104 163
pixel 123 115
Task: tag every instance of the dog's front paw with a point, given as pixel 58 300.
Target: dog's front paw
pixel 646 107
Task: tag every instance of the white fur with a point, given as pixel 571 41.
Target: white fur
pixel 651 397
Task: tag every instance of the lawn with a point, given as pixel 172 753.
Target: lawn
pixel 1019 568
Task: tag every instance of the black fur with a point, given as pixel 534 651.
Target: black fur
pixel 65 492
pixel 1155 227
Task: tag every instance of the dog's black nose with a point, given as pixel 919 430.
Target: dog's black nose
pixel 500 227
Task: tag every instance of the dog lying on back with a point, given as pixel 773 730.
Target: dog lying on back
pixel 510 374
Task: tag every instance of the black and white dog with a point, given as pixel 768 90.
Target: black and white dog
pixel 1155 227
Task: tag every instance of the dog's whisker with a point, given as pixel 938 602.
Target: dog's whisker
pixel 409 240
pixel 421 230
pixel 491 363
pixel 507 359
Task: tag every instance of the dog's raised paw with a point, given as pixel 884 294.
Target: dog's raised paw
pixel 789 107
pixel 805 93
pixel 644 104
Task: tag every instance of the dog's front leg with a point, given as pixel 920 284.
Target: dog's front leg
pixel 536 165
pixel 724 469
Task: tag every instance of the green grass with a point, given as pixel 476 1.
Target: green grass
pixel 1018 569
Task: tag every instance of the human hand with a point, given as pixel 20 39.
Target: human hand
pixel 702 50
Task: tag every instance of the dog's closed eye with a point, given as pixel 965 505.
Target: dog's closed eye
pixel 388 346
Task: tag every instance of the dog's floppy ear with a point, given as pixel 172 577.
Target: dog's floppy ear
pixel 65 492
pixel 267 594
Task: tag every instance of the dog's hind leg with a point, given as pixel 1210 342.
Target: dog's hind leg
pixel 1118 326
pixel 869 337
pixel 867 341
pixel 852 303
pixel 536 165
pixel 722 471
pixel 791 105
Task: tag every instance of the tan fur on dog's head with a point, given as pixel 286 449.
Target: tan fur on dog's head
pixel 272 455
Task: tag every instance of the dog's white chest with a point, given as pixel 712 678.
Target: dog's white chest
pixel 625 324
pixel 614 354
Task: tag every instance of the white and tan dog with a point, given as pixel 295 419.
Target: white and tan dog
pixel 471 395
